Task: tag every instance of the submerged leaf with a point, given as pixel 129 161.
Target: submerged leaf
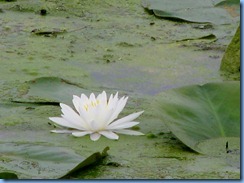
pixel 199 113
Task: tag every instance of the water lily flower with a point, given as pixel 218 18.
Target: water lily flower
pixel 96 116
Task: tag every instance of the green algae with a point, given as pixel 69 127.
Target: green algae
pixel 113 47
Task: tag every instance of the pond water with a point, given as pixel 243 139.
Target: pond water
pixel 106 45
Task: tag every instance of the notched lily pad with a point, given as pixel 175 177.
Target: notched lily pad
pixel 28 161
pixel 188 10
pixel 198 114
pixel 48 90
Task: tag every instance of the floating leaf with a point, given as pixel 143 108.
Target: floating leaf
pixel 232 6
pixel 209 36
pixel 29 161
pixel 199 113
pixel 8 175
pixel 93 158
pixel 230 64
pixel 188 10
pixel 48 90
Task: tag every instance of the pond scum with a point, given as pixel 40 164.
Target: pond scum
pixel 54 49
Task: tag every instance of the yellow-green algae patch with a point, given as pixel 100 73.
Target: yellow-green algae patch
pixel 106 45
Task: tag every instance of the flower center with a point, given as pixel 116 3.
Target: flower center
pixel 91 104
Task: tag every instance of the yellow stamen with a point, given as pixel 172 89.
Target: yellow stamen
pixel 91 104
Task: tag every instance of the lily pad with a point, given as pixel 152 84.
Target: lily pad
pixel 230 64
pixel 31 161
pixel 8 175
pixel 232 6
pixel 48 90
pixel 188 10
pixel 196 114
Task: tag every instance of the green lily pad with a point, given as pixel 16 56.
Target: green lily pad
pixel 209 36
pixel 8 175
pixel 48 90
pixel 197 114
pixel 232 6
pixel 188 10
pixel 230 64
pixel 31 161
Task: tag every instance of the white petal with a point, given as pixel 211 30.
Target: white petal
pixel 128 132
pixel 85 115
pixel 120 106
pixel 112 103
pixel 125 119
pixel 103 114
pixel 95 136
pixel 94 125
pixel 102 98
pixel 64 131
pixel 109 134
pixel 84 99
pixel 123 125
pixel 110 98
pixel 80 134
pixel 77 102
pixel 65 123
pixel 100 117
pixel 106 116
pixel 92 97
pixel 72 116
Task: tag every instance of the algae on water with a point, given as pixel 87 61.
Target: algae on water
pixel 88 46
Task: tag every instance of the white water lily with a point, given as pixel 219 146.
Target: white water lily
pixel 96 116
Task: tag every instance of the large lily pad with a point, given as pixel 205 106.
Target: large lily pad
pixel 188 10
pixel 29 161
pixel 48 90
pixel 199 113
